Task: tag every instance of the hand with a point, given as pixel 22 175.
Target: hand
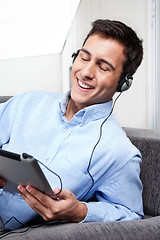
pixel 63 206
pixel 2 183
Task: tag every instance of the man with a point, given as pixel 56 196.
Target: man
pixel 77 137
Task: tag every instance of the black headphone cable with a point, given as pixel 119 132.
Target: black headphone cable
pixel 100 135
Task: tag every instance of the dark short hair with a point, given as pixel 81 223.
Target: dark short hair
pixel 133 49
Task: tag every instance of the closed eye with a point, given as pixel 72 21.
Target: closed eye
pixel 84 59
pixel 105 66
pixel 85 56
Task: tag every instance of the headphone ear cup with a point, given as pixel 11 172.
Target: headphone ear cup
pixel 125 83
pixel 74 56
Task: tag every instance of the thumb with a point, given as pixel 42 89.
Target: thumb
pixel 62 194
pixel 59 194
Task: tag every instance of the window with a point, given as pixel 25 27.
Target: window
pixel 154 66
pixel 34 27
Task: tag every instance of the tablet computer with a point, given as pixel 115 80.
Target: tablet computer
pixel 22 169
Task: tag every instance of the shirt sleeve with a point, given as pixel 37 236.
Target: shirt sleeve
pixel 120 197
pixel 7 113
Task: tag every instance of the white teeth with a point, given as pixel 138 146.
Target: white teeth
pixel 83 85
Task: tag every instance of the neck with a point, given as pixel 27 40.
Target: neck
pixel 71 109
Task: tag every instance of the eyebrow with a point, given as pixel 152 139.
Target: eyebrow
pixel 100 60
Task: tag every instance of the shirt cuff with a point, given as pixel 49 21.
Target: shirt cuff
pixel 92 215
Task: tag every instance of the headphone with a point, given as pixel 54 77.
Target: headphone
pixel 74 55
pixel 125 81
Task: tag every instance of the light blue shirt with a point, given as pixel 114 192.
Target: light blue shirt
pixel 35 123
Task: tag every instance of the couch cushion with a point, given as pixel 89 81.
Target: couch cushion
pixel 4 98
pixel 148 142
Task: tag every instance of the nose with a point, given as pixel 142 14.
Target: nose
pixel 88 71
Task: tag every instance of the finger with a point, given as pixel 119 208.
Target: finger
pixel 39 202
pixel 2 183
pixel 27 192
pixel 26 195
pixel 41 197
pixel 32 201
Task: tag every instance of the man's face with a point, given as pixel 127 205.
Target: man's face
pixel 96 71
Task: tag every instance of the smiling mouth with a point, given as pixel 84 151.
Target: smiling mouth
pixel 85 86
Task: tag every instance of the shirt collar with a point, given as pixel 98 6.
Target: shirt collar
pixel 87 114
pixel 64 102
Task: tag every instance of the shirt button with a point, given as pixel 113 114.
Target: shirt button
pixel 65 129
pixel 47 160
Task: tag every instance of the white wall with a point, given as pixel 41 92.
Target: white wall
pixel 132 108
pixel 44 72
pixel 23 74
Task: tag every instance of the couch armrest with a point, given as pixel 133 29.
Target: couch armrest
pixel 146 229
